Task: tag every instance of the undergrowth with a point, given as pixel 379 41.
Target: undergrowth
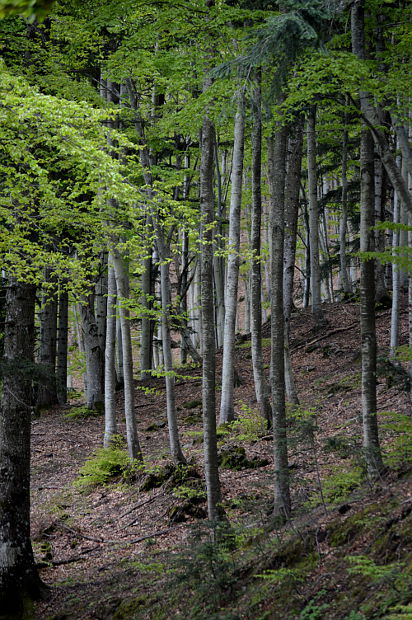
pixel 104 465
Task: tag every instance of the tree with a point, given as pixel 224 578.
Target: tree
pixel 208 328
pixel 277 174
pixel 19 580
pixel 227 413
pixel 372 452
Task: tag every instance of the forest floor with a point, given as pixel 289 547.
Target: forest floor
pixel 119 551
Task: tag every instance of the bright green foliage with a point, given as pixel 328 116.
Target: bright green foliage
pixel 398 429
pixel 337 487
pixel 79 413
pixel 53 202
pixel 105 464
pixel 29 8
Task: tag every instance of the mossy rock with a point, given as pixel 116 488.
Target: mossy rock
pixel 193 418
pixel 192 508
pixel 82 412
pixel 192 404
pixel 129 607
pixel 174 475
pixel 234 457
pixel 155 479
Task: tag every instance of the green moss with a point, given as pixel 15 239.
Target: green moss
pixel 234 457
pixel 80 413
pixel 128 608
pixel 192 404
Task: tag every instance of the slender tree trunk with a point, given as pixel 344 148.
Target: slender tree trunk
pixel 277 173
pixel 227 412
pixel 261 387
pixel 119 353
pixel 344 278
pixel 100 301
pixel 47 394
pixel 146 334
pixel 122 284
pixel 394 341
pixel 313 215
pixel 291 221
pixel 62 347
pixel 207 324
pixel 19 581
pixel 110 425
pixel 410 311
pixel 380 292
pixel 94 354
pixel 219 261
pixel 371 447
pixel 174 441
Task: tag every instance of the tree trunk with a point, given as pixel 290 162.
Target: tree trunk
pixel 261 387
pixel 62 346
pixel 47 393
pixel 277 173
pixel 94 354
pixel 174 441
pixel 345 283
pixel 313 216
pixel 370 436
pixel 100 301
pixel 394 340
pixel 371 446
pixel 380 286
pixel 219 261
pixel 19 581
pixel 207 323
pixel 227 412
pixel 146 334
pixel 291 221
pixel 122 284
pixel 110 425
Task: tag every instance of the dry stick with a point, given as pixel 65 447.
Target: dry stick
pixel 117 542
pixel 136 506
pixel 68 561
pixel 334 331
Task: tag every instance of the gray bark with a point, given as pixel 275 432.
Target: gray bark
pixel 47 393
pixel 227 412
pixel 261 387
pixel 174 441
pixel 207 323
pixel 370 435
pixel 94 354
pixel 122 284
pixel 291 220
pixel 19 581
pixel 146 334
pixel 62 347
pixel 345 282
pixel 381 291
pixel 110 425
pixel 100 301
pixel 394 340
pixel 277 173
pixel 313 215
pixel 219 261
